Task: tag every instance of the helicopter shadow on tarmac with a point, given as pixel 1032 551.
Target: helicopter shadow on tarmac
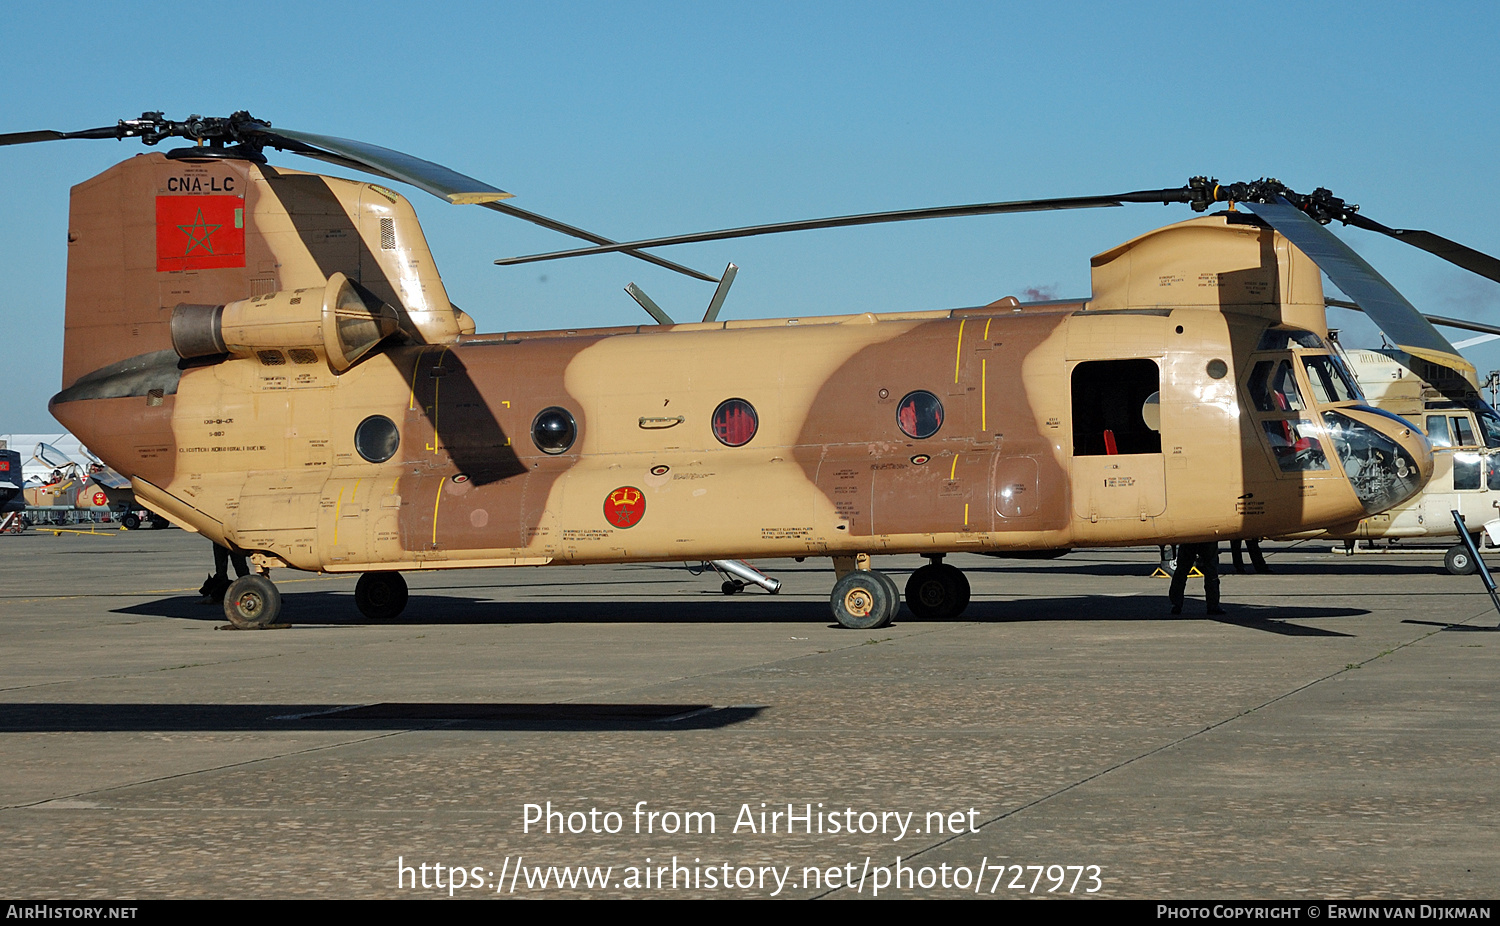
pixel 65 717
pixel 1126 570
pixel 337 609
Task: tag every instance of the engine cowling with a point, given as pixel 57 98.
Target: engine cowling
pixel 340 321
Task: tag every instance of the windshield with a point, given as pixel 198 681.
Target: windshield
pixel 1330 382
pixel 1273 387
pixel 1489 422
pixel 1288 338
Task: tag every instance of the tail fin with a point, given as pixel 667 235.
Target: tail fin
pixel 155 231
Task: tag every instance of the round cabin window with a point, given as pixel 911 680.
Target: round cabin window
pixel 735 422
pixel 554 430
pixel 920 414
pixel 377 438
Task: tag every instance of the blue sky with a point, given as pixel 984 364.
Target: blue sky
pixel 636 119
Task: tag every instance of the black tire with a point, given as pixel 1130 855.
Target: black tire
pixel 895 592
pixel 381 596
pixel 864 600
pixel 1458 561
pixel 731 587
pixel 937 591
pixel 252 602
pixel 131 521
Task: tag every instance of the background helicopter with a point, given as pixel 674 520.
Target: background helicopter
pixel 326 274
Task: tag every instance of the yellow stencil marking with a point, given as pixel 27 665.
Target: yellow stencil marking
pixel 411 402
pixel 338 506
pixel 966 514
pixel 437 383
pixel 435 503
pixel 987 328
pixel 954 468
pixel 958 359
pixel 984 396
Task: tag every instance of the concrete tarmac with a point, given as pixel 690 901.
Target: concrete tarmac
pixel 1334 736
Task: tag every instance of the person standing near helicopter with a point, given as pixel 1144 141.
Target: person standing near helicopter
pixel 1206 557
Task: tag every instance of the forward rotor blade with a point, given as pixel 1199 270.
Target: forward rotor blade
pixel 872 218
pixel 436 179
pixel 1395 316
pixel 1451 251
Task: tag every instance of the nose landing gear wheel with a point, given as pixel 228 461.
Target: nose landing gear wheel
pixel 252 602
pixel 937 591
pixel 380 596
pixel 864 600
pixel 1459 562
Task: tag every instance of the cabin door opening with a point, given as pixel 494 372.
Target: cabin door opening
pixel 1118 468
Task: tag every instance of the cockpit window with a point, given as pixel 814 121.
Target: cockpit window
pixel 1489 422
pixel 1273 387
pixel 1437 431
pixel 1295 445
pixel 1288 338
pixel 1329 382
pixel 1450 431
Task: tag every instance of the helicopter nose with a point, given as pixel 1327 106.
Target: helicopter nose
pixel 1386 458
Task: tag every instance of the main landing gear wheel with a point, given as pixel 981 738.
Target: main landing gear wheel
pixel 380 595
pixel 252 602
pixel 864 600
pixel 937 591
pixel 131 521
pixel 1459 562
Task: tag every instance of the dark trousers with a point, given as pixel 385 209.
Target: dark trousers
pixel 1256 559
pixel 1206 557
pixel 222 555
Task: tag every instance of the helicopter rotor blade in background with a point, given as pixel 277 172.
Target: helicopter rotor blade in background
pixel 576 232
pixel 1177 195
pixel 1441 321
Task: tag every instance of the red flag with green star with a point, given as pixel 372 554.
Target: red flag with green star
pixel 199 232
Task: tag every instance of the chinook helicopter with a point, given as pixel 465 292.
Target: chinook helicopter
pixel 271 358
